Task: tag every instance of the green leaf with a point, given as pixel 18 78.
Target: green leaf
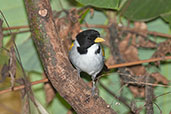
pixel 144 10
pixel 29 56
pixel 109 4
pixel 167 17
pixel 83 16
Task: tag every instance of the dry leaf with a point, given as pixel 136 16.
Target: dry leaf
pixel 110 61
pixel 146 43
pixel 12 66
pixel 163 49
pixel 4 72
pixel 129 53
pixel 26 106
pixel 143 41
pixel 137 91
pixel 49 92
pixel 68 27
pixel 73 15
pixel 159 78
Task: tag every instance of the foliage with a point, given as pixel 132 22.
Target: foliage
pixel 146 9
pixel 155 13
pixel 109 4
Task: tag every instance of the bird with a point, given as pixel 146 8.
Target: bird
pixel 86 54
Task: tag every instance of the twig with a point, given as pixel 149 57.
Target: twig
pixel 150 84
pixel 94 26
pixel 110 67
pixel 138 62
pixel 141 32
pixel 158 107
pixel 15 27
pixel 17 32
pixel 23 86
pixel 145 31
pixel 161 95
pixel 121 99
pixel 17 52
pixel 138 31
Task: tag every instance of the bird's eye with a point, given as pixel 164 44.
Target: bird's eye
pixel 89 38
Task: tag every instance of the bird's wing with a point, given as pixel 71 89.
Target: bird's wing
pixel 71 46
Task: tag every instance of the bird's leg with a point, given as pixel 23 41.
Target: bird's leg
pixel 94 86
pixel 78 72
pixel 93 92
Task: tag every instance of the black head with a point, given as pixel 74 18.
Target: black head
pixel 86 38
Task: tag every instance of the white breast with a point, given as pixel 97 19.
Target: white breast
pixel 90 63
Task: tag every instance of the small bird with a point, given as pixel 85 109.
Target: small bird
pixel 86 54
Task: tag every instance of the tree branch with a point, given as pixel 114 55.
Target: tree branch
pixel 23 86
pixel 149 96
pixel 56 64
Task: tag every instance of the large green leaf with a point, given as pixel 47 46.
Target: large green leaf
pixel 145 9
pixel 109 4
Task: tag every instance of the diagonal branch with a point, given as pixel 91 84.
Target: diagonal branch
pixel 56 65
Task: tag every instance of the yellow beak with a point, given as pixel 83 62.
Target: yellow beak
pixel 98 39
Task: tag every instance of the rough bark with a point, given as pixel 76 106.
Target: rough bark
pixel 149 95
pixel 56 65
